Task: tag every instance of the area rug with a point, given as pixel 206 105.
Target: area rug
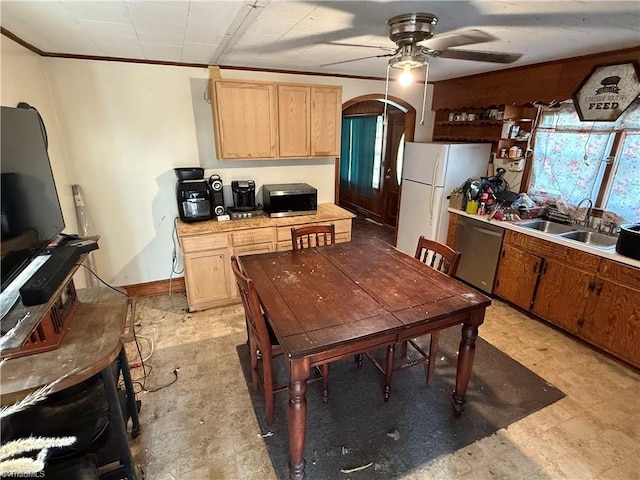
pixel 356 428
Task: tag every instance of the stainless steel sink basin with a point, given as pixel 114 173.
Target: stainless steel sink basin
pixel 547 226
pixel 591 238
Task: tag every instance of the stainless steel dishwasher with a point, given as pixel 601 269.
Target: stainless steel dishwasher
pixel 480 245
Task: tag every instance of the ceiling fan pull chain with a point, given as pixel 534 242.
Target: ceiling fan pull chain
pixel 386 96
pixel 424 94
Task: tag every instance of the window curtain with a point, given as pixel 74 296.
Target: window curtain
pixel 358 150
pixel 569 159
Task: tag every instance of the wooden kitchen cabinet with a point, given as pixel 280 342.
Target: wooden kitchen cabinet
pixel 547 279
pixel 294 120
pixel 562 294
pixel 246 119
pixel 326 119
pixel 207 271
pixel 208 246
pixel 594 298
pixel 264 120
pixel 452 230
pixel 612 315
pixel 517 277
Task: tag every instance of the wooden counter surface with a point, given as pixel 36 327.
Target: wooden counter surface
pixel 327 212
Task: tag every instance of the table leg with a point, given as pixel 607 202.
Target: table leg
pixel 298 375
pixel 467 350
pixel 117 421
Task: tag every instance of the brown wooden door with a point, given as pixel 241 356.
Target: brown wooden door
pixel 562 294
pixel 612 319
pixel 518 273
pixel 390 186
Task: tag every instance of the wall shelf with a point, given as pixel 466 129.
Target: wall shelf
pixel 485 129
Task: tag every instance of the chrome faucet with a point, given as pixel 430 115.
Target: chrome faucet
pixel 587 215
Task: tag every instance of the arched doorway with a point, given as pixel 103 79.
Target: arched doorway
pixel 368 172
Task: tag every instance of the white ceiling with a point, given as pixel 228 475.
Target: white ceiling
pixel 297 35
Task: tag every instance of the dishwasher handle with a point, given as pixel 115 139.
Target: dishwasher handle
pixel 484 231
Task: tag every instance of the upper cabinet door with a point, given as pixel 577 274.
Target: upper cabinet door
pixel 326 116
pixel 294 116
pixel 246 122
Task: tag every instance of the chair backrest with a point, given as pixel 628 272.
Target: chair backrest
pixel 252 309
pixel 438 255
pixel 313 236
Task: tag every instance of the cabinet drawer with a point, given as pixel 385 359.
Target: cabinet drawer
pixel 252 237
pixel 620 273
pixel 553 250
pixel 342 226
pixel 251 249
pixel 203 242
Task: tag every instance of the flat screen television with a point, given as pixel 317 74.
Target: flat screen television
pixel 30 215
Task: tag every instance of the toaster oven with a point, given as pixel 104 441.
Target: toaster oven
pixel 289 199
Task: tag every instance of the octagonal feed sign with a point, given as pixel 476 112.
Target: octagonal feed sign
pixel 606 92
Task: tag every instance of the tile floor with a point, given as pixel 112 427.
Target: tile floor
pixel 203 425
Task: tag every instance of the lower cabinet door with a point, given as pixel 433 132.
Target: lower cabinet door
pixel 562 294
pixel 517 276
pixel 612 319
pixel 208 277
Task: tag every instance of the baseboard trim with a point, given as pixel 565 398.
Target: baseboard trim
pixel 159 287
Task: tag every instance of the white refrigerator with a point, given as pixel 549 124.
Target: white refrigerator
pixel 430 172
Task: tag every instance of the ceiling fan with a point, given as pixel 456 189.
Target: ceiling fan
pixel 409 32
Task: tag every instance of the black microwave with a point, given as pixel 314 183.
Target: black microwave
pixel 289 199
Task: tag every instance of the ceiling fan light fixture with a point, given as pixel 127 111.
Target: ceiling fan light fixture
pixel 409 61
pixel 406 77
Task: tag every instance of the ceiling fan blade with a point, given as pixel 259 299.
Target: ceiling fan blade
pixel 480 56
pixel 362 45
pixel 357 59
pixel 471 37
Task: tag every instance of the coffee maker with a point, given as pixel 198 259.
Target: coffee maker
pixel 193 195
pixel 244 200
pixel 244 195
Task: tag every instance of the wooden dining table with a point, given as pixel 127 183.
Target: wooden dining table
pixel 341 300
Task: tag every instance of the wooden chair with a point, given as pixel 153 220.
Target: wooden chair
pixel 313 236
pixel 263 344
pixel 444 259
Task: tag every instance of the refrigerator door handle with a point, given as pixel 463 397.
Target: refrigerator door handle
pixel 433 179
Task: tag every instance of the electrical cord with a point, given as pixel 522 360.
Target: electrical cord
pixel 135 338
pixel 103 282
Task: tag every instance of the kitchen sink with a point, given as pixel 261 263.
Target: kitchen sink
pixel 591 238
pixel 547 226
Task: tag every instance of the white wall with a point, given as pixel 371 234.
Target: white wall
pixel 126 126
pixel 24 79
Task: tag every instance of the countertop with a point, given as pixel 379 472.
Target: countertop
pixel 327 212
pixel 609 253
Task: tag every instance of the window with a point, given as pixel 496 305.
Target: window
pixel 400 160
pixel 573 160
